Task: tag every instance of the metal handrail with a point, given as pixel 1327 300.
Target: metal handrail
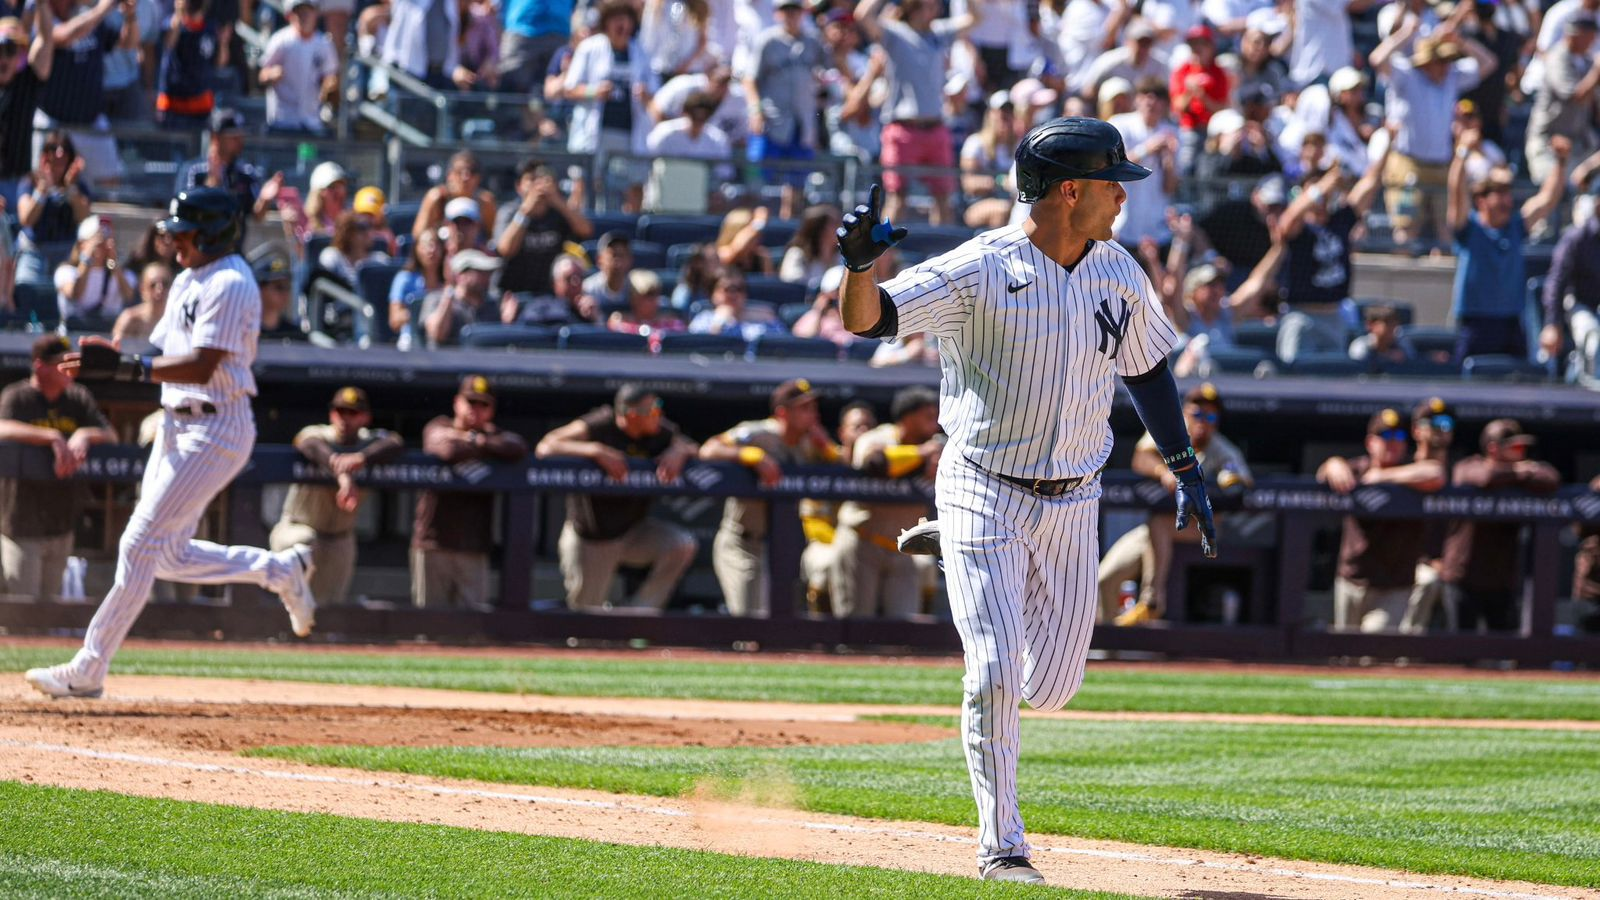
pixel 321 292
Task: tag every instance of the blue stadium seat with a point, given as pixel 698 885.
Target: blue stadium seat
pixel 707 344
pixel 790 313
pixel 403 215
pixel 1504 368
pixel 592 337
pixel 1334 363
pixel 1237 360
pixel 1257 335
pixel 1420 368
pixel 373 280
pixel 1430 339
pixel 669 229
pixel 39 300
pixel 678 254
pixel 646 254
pixel 932 240
pixel 522 337
pixel 627 223
pixel 774 291
pixel 779 232
pixel 861 350
pixel 1406 311
pixel 786 347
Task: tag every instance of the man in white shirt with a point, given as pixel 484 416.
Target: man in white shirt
pixel 690 135
pixel 299 67
pixel 1322 41
pixel 1152 142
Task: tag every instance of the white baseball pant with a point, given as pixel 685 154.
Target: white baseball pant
pixel 192 460
pixel 1021 573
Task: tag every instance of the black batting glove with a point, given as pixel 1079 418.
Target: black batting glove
pixel 102 362
pixel 865 234
pixel 1192 500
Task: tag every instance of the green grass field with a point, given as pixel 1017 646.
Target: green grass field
pixel 1106 689
pixel 69 844
pixel 1498 804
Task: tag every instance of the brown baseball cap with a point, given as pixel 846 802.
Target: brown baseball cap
pixel 1385 420
pixel 795 390
pixel 50 348
pixel 1506 431
pixel 351 398
pixel 1431 407
pixel 477 387
pixel 1204 393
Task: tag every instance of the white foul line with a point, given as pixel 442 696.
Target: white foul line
pixel 439 790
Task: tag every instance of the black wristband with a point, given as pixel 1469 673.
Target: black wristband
pixel 1180 460
pixel 133 367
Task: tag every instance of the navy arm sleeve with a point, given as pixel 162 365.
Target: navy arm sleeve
pixel 1155 398
pixel 888 319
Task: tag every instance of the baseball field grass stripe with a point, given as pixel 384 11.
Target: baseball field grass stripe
pixel 1494 804
pixel 1335 693
pixel 61 843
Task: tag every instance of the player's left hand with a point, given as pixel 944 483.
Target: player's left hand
pixel 1192 500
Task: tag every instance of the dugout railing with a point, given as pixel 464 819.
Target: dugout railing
pixel 1285 631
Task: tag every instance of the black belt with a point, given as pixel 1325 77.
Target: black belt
pixel 194 409
pixel 1045 487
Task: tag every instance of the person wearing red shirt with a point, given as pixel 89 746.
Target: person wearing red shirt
pixel 1199 88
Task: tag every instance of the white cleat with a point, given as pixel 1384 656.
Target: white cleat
pixel 1012 868
pixel 63 681
pixel 921 539
pixel 297 597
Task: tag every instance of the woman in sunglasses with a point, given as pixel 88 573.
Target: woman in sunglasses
pixel 53 202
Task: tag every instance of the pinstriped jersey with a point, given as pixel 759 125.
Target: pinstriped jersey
pixel 216 305
pixel 1029 351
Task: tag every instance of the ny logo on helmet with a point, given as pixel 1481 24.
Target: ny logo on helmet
pixel 1113 326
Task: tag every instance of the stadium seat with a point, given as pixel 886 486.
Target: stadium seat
pixel 706 344
pixel 779 232
pixel 786 347
pixel 1430 340
pixel 1420 368
pixel 1237 360
pixel 627 223
pixel 1258 335
pixel 679 254
pixel 668 229
pixel 589 337
pixel 403 215
pixel 314 247
pixel 774 291
pixel 790 313
pixel 669 281
pixel 1404 310
pixel 36 301
pixel 932 240
pixel 1334 363
pixel 373 280
pixel 861 350
pixel 1500 367
pixel 521 337
pixel 646 254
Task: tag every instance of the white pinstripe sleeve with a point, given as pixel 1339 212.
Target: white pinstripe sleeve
pixel 937 296
pixel 220 320
pixel 1149 336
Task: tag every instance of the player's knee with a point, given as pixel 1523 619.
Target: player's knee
pixel 1051 697
pixel 997 681
pixel 685 548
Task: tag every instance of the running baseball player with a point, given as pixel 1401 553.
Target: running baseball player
pixel 1035 320
pixel 208 341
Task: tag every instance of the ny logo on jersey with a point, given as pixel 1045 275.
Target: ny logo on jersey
pixel 1113 326
pixel 190 310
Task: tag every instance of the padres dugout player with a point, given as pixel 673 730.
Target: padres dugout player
pixel 208 340
pixel 1034 321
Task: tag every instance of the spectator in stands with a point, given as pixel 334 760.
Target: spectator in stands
pixel 422 275
pixel 1135 61
pixel 466 301
pixel 868 575
pixel 300 70
pixel 823 319
pixel 372 207
pixel 274 273
pixel 738 244
pixel 49 211
pixel 1421 100
pixel 479 46
pixel 673 33
pixel 791 436
pixel 423 40
pixel 125 97
pixel 1480 568
pixel 1572 291
pixel 530 235
pixel 324 516
pixel 1199 87
pixel 463 180
pixel 533 31
pixel 1320 38
pixel 330 192
pixel 350 247
pixel 1490 290
pixel 1258 66
pixel 453 530
pixel 730 312
pixel 462 230
pixel 1503 29
pixel 1378 557
pixel 566 304
pixel 985 160
pixel 611 82
pixel 336 23
pixel 20 86
pixel 155 246
pixel 780 90
pixel 608 286
pixel 1205 319
pixel 1487 155
pixel 184 99
pixel 849 81
pixel 74 97
pixel 914 132
pixel 90 285
pixel 138 322
pixel 1241 230
pixel 38 518
pixel 1248 148
pixel 697 277
pixel 644 314
pixel 1433 427
pixel 1383 342
pixel 1315 228
pixel 691 135
pixel 225 167
pixel 814 248
pixel 730 113
pixel 1144 554
pixel 602 533
pixel 1565 104
pixel 1153 142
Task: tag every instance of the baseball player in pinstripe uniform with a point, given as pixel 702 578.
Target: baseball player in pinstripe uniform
pixel 1035 321
pixel 208 340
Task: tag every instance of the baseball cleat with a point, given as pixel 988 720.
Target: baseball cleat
pixel 1012 868
pixel 1138 614
pixel 921 539
pixel 63 681
pixel 297 597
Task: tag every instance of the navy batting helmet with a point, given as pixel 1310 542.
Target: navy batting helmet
pixel 212 213
pixel 1068 148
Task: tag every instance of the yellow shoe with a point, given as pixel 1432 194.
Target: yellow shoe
pixel 1139 614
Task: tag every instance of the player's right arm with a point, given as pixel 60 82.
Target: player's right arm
pixel 730 447
pixel 98 359
pixel 572 439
